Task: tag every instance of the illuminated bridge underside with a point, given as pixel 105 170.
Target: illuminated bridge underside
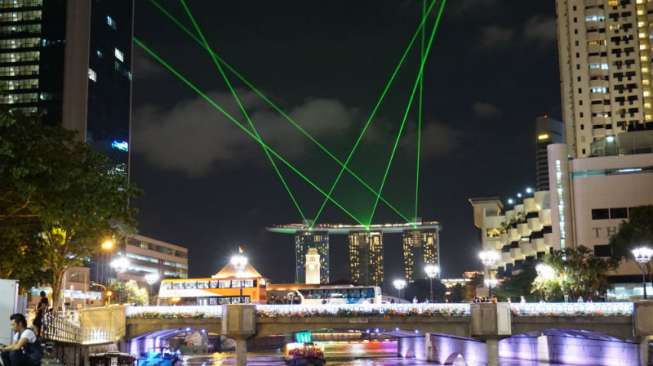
pixel 344 229
pixel 612 319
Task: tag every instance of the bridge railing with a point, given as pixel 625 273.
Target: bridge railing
pixel 591 309
pixel 363 310
pixel 174 312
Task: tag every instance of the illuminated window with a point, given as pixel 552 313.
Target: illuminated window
pixel 542 137
pixel 119 55
pixel 92 75
pixel 111 23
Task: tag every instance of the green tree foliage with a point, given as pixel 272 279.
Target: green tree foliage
pixel 578 273
pixel 57 195
pixel 128 293
pixel 519 284
pixel 637 231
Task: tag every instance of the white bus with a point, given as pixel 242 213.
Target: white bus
pixel 335 294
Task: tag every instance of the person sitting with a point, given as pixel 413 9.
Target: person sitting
pixel 25 350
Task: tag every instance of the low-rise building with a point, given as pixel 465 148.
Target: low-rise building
pixel 147 255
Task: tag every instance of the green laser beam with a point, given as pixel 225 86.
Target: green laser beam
pixel 198 30
pixel 420 115
pixel 284 114
pixel 215 105
pixel 410 103
pixel 373 115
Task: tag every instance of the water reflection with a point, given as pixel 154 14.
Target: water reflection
pixel 275 359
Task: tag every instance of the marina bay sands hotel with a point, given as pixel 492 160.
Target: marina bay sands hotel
pixel 420 241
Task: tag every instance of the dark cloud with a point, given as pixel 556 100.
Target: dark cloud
pixel 485 110
pixel 496 36
pixel 144 67
pixel 192 136
pixel 465 7
pixel 541 29
pixel 438 139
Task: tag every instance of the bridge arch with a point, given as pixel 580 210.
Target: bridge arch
pixel 570 346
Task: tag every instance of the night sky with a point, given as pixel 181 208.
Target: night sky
pixel 209 187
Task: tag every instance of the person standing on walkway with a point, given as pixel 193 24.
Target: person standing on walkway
pixel 41 309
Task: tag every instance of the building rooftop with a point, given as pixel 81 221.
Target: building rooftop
pixel 347 228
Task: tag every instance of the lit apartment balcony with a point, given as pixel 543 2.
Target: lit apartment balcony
pixel 517 254
pixel 527 248
pixel 493 221
pixel 534 224
pixel 523 230
pixel 540 246
pixel 513 235
pixel 545 217
pixel 506 257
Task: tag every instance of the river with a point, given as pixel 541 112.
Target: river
pixel 338 354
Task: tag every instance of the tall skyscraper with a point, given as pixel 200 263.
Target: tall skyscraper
pixel 605 69
pixel 547 131
pixel 69 61
pixel 313 267
pixel 366 257
pixel 304 241
pixel 420 247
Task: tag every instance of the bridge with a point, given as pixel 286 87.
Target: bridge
pixel 594 333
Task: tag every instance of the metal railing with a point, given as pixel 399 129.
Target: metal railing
pixel 58 328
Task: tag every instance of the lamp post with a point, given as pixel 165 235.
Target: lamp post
pixel 120 264
pixel 490 283
pixel 107 248
pixel 151 279
pixel 489 258
pixel 643 256
pixel 399 284
pixel 432 271
pixel 239 261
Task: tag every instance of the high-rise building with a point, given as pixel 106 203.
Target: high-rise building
pixel 304 241
pixel 366 257
pixel 605 69
pixel 312 267
pixel 69 61
pixel 420 247
pixel 547 131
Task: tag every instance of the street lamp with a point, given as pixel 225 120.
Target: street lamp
pixel 120 264
pixel 399 284
pixel 108 245
pixel 642 256
pixel 239 262
pixel 489 258
pixel 152 278
pixel 432 271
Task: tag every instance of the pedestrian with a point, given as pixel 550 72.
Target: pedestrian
pixel 41 309
pixel 25 349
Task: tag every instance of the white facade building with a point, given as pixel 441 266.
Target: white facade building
pixel 518 232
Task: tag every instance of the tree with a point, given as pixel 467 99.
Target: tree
pixel 129 293
pixel 637 231
pixel 72 195
pixel 578 273
pixel 519 284
pixel 23 260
